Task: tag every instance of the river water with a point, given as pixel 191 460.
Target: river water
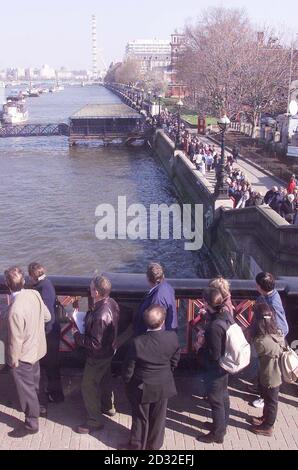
pixel 49 193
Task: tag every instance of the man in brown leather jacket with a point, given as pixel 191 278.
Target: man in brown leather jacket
pixel 101 326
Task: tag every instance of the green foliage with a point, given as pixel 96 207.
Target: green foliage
pixel 192 119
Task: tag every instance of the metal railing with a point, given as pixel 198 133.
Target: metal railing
pixel 34 130
pixel 129 289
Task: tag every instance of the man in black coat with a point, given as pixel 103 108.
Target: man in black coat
pixel 148 373
pixel 271 197
pixel 98 340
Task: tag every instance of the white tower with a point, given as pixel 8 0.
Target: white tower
pixel 99 67
pixel 94 49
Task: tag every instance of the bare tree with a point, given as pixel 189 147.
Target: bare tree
pixel 215 47
pixel 266 77
pixel 111 73
pixel 128 72
pixel 154 80
pixel 227 67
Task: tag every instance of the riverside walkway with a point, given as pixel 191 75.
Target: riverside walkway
pixel 188 414
pixel 260 181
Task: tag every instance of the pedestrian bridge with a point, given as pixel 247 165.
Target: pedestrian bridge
pixel 34 130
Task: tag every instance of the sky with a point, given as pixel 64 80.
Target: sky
pixel 58 32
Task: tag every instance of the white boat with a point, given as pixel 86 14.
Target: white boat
pixel 15 95
pixel 15 112
pixel 33 93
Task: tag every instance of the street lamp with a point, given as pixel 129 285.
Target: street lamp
pixel 159 102
pixel 220 188
pixel 149 92
pixel 159 108
pixel 142 97
pixel 135 97
pixel 179 105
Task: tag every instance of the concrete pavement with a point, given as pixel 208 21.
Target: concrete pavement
pixel 187 415
pixel 259 180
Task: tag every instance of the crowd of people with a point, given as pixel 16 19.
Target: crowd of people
pixel 152 355
pixel 206 159
pixel 284 201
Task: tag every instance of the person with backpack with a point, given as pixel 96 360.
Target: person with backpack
pixel 216 380
pixel 224 286
pixel 269 342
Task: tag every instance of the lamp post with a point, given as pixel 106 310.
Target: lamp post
pixel 159 104
pixel 159 108
pixel 149 92
pixel 142 97
pixel 179 105
pixel 220 188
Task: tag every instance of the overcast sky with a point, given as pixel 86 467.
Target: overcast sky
pixel 58 32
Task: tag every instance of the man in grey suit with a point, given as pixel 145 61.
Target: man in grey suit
pixel 148 373
pixel 26 345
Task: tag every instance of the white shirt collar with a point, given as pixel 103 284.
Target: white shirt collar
pixel 159 329
pixel 14 294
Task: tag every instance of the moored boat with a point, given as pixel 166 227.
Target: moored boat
pixel 15 112
pixel 33 93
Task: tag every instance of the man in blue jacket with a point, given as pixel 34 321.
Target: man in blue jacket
pixel 161 293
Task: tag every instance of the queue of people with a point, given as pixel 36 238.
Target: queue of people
pixel 283 200
pixel 152 356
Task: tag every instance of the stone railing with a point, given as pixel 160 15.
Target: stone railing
pixel 265 235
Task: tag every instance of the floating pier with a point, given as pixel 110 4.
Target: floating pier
pixel 107 123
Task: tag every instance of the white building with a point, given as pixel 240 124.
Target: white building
pixel 64 74
pixel 20 72
pixel 151 54
pixel 47 72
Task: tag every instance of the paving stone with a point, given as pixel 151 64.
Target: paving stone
pixel 187 416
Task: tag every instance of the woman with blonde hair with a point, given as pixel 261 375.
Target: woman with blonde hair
pixel 224 287
pixel 216 379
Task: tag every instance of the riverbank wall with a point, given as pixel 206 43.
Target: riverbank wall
pixel 241 242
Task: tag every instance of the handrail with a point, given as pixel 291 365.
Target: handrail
pixel 129 289
pixel 134 286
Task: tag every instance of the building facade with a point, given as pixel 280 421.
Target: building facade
pixel 151 54
pixel 176 88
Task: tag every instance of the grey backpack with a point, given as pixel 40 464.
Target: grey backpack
pixel 237 350
pixel 288 362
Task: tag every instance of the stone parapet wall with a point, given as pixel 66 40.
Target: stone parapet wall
pixel 262 234
pixel 242 241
